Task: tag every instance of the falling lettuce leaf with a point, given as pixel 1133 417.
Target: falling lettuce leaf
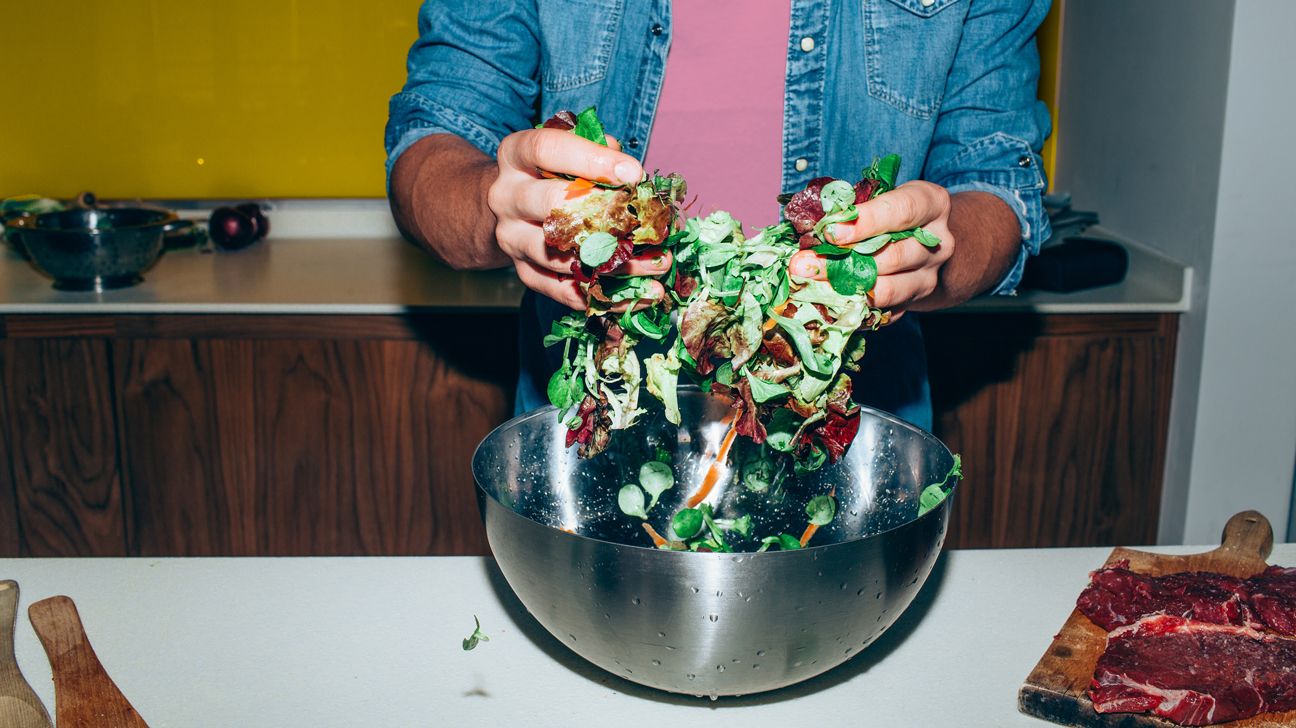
pixel 470 642
pixel 935 493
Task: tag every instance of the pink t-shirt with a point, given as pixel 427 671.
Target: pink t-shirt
pixel 719 119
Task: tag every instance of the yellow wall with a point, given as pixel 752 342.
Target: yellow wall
pixel 199 98
pixel 1050 48
pixel 220 98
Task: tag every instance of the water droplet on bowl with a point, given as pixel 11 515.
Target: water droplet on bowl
pixel 756 667
pixel 843 585
pixel 635 601
pixel 661 634
pixel 878 595
pixel 714 697
pixel 713 617
pixel 719 593
pixel 860 593
pixel 760 653
pixel 720 668
pixel 691 676
pixel 798 663
pixel 572 636
pixel 656 663
pixel 695 590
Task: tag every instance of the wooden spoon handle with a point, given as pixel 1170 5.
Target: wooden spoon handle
pixel 20 707
pixel 1248 534
pixel 8 613
pixel 84 695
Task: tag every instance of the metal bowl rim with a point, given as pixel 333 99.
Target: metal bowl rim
pixel 30 223
pixel 882 414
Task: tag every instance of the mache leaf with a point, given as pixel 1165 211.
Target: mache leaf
pixel 597 248
pixel 852 275
pixel 588 126
pixel 630 499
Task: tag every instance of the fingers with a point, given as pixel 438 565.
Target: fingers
pixel 806 264
pixel 564 290
pixel 903 289
pixel 650 261
pixel 903 255
pixel 562 152
pixel 522 240
pixel 535 199
pixel 907 206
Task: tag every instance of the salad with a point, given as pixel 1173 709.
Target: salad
pixel 735 321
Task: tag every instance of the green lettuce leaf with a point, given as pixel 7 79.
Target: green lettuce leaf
pixel 663 380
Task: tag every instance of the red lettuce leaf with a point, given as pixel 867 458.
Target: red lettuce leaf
pixel 805 209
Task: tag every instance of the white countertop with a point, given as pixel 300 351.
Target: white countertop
pixel 376 642
pixel 346 257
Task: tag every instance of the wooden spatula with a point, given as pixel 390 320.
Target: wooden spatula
pixel 84 695
pixel 19 705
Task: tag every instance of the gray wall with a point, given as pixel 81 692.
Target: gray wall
pixel 1246 408
pixel 1140 129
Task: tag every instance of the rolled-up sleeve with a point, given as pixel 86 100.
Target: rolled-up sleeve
pixel 472 73
pixel 991 125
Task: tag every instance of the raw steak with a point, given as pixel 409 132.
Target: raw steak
pixel 1272 595
pixel 1117 596
pixel 1194 673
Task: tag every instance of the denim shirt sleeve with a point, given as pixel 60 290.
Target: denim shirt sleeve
pixel 472 72
pixel 991 127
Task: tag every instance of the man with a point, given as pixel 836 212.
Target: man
pixel 949 85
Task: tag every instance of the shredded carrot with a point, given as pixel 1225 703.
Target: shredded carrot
pixel 810 528
pixel 578 187
pixel 777 311
pixel 808 533
pixel 713 472
pixel 657 540
pixel 565 529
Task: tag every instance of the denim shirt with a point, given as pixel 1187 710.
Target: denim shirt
pixel 949 85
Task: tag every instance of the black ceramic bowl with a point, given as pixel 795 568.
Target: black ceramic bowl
pixel 93 249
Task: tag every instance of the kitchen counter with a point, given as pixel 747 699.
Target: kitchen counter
pixel 346 257
pixel 367 642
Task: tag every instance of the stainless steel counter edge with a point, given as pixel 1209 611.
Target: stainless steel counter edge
pixel 345 257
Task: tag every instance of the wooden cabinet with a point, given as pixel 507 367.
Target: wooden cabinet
pixel 1061 421
pixel 339 435
pixel 248 435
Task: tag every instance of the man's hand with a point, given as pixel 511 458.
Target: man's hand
pixel 908 272
pixel 980 238
pixel 521 198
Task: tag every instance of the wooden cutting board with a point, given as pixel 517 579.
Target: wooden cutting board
pixel 19 705
pixel 84 695
pixel 1055 689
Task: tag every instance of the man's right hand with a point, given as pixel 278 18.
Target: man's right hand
pixel 521 198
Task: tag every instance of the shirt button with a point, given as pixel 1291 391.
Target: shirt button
pixel 633 142
pixel 927 3
pixel 807 44
pixel 657 29
pixel 1025 161
pixel 802 164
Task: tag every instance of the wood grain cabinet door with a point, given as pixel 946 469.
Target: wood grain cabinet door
pixel 1061 421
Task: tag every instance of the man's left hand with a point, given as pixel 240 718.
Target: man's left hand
pixel 908 271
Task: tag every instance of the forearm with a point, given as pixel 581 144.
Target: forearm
pixel 438 197
pixel 987 239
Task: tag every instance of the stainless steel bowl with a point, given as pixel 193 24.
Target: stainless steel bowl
pixel 92 249
pixel 709 623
